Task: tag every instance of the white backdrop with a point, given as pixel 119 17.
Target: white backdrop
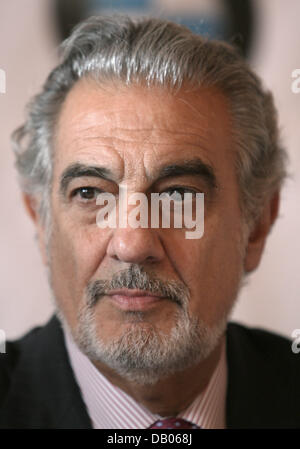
pixel 27 53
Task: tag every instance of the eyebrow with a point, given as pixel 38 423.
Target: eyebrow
pixel 192 167
pixel 80 170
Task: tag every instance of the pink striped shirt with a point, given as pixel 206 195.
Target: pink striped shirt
pixel 109 407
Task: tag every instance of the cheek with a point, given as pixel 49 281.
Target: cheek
pixel 75 254
pixel 211 267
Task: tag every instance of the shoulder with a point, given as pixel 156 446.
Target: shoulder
pixel 37 385
pixel 262 341
pixel 259 349
pixel 263 374
pixel 9 361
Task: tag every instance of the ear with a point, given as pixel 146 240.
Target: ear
pixel 31 206
pixel 258 236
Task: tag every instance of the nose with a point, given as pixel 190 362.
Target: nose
pixel 135 245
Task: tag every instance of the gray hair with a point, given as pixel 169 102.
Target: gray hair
pixel 157 52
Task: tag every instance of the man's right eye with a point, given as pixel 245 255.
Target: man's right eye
pixel 86 194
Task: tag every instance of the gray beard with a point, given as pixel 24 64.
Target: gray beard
pixel 143 354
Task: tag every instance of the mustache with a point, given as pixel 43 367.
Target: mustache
pixel 135 277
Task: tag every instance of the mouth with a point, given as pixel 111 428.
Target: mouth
pixel 134 300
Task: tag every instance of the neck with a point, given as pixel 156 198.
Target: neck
pixel 173 394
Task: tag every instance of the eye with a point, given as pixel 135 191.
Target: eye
pixel 177 193
pixel 86 194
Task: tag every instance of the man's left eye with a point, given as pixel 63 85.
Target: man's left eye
pixel 177 193
pixel 86 194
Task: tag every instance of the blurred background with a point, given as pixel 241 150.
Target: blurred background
pixel 268 34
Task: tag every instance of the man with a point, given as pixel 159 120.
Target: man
pixel 142 336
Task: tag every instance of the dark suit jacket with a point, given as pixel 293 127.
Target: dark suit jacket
pixel 38 389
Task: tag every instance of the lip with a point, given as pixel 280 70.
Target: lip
pixel 134 300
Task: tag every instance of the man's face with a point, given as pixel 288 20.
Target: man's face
pixel 149 141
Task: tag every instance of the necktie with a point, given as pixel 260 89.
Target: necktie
pixel 173 423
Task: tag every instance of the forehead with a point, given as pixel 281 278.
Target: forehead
pixel 131 126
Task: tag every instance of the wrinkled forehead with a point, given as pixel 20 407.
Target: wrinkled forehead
pixel 118 124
